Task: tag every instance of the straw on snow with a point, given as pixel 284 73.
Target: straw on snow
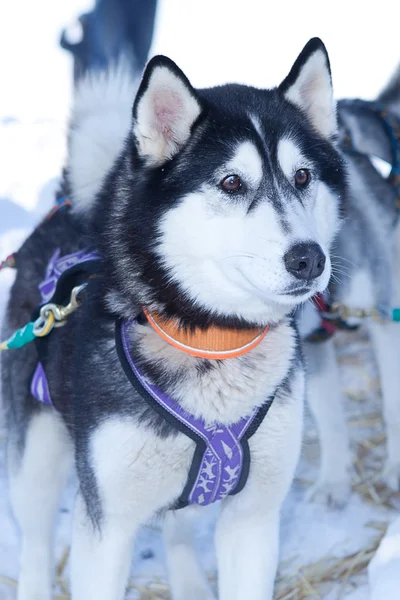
pixel 313 580
pixel 309 581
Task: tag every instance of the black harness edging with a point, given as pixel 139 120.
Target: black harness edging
pixel 177 424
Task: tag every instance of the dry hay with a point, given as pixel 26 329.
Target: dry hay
pixel 317 579
pixel 368 462
pixel 313 580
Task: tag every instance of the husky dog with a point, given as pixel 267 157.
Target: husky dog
pixel 212 209
pixel 366 258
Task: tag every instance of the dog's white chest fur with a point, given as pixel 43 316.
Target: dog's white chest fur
pixel 231 389
pixel 143 473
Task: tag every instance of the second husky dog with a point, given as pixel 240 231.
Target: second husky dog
pixel 366 259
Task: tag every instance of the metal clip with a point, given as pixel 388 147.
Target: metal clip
pixel 58 312
pixel 344 312
pixel 339 310
pixel 44 324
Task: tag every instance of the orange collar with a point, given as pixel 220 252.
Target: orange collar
pixel 213 342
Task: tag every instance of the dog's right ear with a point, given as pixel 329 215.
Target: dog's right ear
pixel 164 111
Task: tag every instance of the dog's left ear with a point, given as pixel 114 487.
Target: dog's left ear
pixel 309 87
pixel 164 112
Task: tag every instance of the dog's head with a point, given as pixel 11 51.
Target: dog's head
pixel 226 200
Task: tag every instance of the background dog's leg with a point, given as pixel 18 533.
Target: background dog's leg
pixel 36 481
pixel 247 551
pixel 386 338
pixel 325 401
pixel 187 579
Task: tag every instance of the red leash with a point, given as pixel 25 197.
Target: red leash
pixel 323 307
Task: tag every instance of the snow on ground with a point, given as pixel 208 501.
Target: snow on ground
pixel 243 46
pixel 384 568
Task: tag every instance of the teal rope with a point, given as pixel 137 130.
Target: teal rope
pixel 20 338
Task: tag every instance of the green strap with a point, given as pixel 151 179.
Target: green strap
pixel 396 315
pixel 21 337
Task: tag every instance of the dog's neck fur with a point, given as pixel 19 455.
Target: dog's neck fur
pixel 217 391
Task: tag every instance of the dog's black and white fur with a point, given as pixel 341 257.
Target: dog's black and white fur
pixel 150 189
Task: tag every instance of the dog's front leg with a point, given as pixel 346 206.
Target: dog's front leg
pixel 247 551
pixel 127 474
pixel 247 537
pixel 101 555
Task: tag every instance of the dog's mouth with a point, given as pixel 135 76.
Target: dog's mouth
pixel 292 294
pixel 300 290
pixel 295 295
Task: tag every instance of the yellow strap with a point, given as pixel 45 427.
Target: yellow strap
pixel 47 326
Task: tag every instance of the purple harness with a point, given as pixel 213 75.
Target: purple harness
pixel 221 462
pixel 55 269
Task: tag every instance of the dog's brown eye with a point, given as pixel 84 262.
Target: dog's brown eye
pixel 302 178
pixel 231 184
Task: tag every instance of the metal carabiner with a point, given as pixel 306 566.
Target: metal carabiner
pixel 59 312
pixel 65 311
pixel 44 324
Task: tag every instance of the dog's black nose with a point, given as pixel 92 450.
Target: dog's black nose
pixel 305 261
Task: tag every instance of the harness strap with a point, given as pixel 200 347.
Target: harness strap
pixel 331 321
pixel 70 272
pixel 392 127
pixel 334 317
pixel 61 203
pixel 221 461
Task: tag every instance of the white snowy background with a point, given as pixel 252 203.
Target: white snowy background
pixel 214 41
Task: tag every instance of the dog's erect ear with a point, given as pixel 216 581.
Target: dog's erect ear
pixel 165 109
pixel 309 86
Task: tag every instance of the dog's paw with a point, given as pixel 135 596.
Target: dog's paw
pixel 391 476
pixel 333 494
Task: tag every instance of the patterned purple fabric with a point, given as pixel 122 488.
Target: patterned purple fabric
pixel 40 387
pixel 56 267
pixel 222 462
